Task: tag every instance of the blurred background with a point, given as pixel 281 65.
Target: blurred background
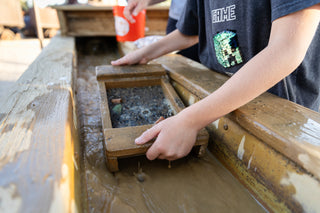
pixel 18 18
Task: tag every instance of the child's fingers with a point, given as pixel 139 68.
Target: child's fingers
pixel 138 9
pixel 147 135
pixel 127 12
pixel 153 152
pixel 120 61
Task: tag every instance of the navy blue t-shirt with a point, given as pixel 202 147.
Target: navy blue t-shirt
pixel 231 32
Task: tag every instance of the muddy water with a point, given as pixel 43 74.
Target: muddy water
pixel 190 185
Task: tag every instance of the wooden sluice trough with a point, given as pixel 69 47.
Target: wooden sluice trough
pixel 52 157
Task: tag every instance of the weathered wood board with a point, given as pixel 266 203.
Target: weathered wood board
pixel 119 142
pixel 39 147
pixel 93 20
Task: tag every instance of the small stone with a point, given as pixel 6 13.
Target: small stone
pixel 117 109
pixel 140 177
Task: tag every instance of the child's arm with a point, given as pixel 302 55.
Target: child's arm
pixel 290 38
pixel 171 42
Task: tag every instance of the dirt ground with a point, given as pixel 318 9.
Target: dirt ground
pixel 191 184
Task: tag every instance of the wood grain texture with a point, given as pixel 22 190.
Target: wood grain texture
pixel 90 23
pixel 94 20
pixel 111 72
pixel 92 7
pixel 133 82
pixel 49 18
pixel 104 106
pixel 171 95
pixel 39 147
pixel 62 22
pixel 120 141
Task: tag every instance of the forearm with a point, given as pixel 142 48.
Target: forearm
pixel 258 75
pixel 172 42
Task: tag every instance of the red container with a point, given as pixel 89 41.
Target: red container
pixel 126 31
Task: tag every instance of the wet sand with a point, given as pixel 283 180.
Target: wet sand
pixel 139 106
pixel 190 185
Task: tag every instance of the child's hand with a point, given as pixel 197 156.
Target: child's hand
pixel 135 57
pixel 133 8
pixel 176 137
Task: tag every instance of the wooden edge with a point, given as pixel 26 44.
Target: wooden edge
pixel 106 72
pixel 93 7
pixel 38 23
pixel 171 95
pixel 297 135
pixel 39 130
pixel 119 142
pixel 63 22
pixel 80 7
pixel 132 82
pixel 105 113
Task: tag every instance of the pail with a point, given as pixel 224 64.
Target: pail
pixel 126 31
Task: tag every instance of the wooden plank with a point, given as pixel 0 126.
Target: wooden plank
pixel 92 7
pixel 289 128
pixel 156 22
pixel 104 106
pixel 82 7
pixel 40 149
pixel 120 141
pixel 11 13
pixel 172 96
pixel 90 23
pixel 259 168
pixel 39 29
pixel 89 14
pixel 90 20
pixel 111 72
pixel 133 82
pixel 49 18
pixel 63 22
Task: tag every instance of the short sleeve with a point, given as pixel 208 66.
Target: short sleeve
pixel 281 8
pixel 188 21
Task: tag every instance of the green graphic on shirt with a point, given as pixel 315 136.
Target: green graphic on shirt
pixel 227 49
